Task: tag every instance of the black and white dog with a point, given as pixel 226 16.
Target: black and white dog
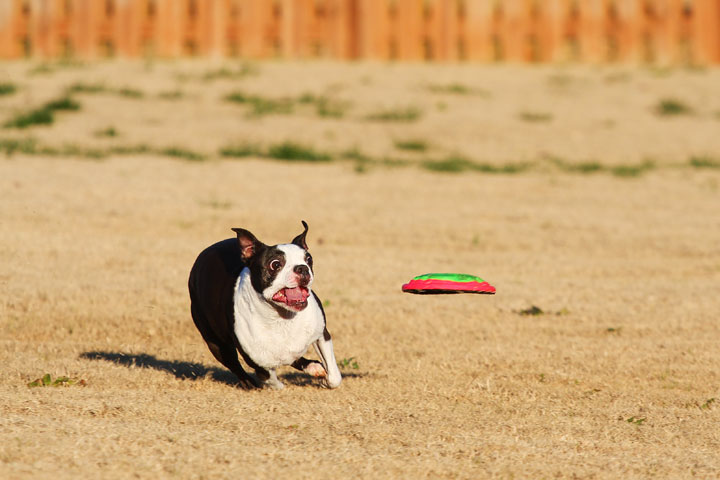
pixel 256 299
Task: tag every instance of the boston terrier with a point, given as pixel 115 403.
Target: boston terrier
pixel 256 299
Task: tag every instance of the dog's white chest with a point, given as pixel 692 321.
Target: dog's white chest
pixel 268 339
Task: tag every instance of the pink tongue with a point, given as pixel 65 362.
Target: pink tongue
pixel 296 294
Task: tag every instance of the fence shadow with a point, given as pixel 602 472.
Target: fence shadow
pixel 180 370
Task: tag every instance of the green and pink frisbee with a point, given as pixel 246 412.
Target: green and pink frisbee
pixel 444 283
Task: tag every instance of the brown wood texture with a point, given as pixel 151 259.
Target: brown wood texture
pixel 592 31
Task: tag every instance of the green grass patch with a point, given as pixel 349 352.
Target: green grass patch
pixel 39 116
pixel 583 167
pixel 507 169
pixel 532 311
pixel 400 115
pixel 226 73
pixel 241 151
pixel 579 167
pixel 535 117
pixel 130 93
pixel 171 95
pixel 292 151
pixel 360 160
pixel 308 98
pixel 41 69
pixel 99 88
pixel 10 146
pixel 347 363
pixel 636 420
pixel 412 145
pixel 30 146
pixel 260 106
pixel 63 104
pixel 456 89
pixel 129 150
pixel 182 153
pixel 672 107
pixel 628 171
pixel 72 150
pixel 43 115
pixel 452 164
pixel 87 88
pixel 457 164
pixel 704 162
pixel 393 162
pixel 108 132
pixel 7 89
pixel 356 155
pixel 324 107
pixel 47 381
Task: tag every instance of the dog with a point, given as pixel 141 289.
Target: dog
pixel 256 299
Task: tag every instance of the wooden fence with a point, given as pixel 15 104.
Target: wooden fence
pixel 660 31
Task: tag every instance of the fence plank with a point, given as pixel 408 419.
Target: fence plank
pixel 255 21
pixel 128 28
pixel 373 29
pixel 515 27
pixel 478 30
pixel 706 31
pixel 341 29
pixel 630 35
pixel 659 31
pixel 591 36
pixel 550 30
pixel 408 29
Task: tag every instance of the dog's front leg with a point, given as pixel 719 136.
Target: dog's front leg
pixel 324 348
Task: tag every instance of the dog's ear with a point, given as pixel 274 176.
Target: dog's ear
pixel 249 245
pixel 300 239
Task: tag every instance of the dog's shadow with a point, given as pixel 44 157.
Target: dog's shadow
pixel 191 370
pixel 180 370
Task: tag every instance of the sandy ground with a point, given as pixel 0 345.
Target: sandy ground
pixel 617 379
pixel 581 114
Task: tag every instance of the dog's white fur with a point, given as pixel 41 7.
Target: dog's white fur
pixel 272 341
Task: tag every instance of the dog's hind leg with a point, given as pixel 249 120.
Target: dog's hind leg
pixel 224 353
pixel 311 367
pixel 227 355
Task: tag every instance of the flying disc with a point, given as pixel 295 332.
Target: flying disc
pixel 444 283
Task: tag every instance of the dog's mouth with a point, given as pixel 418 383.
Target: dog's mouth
pixel 295 298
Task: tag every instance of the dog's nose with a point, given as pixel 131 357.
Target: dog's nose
pixel 302 270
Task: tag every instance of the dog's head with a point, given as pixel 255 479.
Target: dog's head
pixel 281 274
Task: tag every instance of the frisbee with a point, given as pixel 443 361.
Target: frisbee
pixel 445 283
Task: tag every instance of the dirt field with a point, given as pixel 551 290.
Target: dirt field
pixel 611 228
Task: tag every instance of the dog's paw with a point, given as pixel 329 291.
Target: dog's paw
pixel 248 383
pixel 315 369
pixel 331 383
pixel 275 384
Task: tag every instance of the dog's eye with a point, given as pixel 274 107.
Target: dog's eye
pixel 309 260
pixel 275 265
